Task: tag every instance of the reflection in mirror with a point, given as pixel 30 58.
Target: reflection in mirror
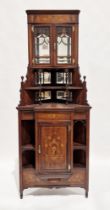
pixel 64 78
pixel 63 44
pixel 61 95
pixel 41 44
pixel 43 78
pixel 64 95
pixel 42 95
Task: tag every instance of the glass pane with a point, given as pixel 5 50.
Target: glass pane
pixel 64 44
pixel 63 78
pixel 41 44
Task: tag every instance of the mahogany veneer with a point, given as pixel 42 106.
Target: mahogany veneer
pixel 53 111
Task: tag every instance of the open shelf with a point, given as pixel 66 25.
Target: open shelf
pixel 28 159
pixel 47 87
pixel 28 134
pixel 79 133
pixel 79 158
pixel 79 144
pixel 53 76
pixel 49 67
pixel 55 85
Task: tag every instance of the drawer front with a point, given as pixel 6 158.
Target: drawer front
pixel 53 116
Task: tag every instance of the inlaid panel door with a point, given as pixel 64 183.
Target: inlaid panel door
pixel 53 147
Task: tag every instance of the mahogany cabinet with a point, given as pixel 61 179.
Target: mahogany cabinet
pixel 53 111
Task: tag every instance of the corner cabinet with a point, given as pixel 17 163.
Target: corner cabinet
pixel 53 111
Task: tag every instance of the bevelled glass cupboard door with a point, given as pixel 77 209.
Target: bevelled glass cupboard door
pixel 53 45
pixel 63 42
pixel 41 45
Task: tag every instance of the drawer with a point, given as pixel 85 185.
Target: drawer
pixel 53 116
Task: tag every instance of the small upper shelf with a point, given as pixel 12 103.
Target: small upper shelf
pixel 45 87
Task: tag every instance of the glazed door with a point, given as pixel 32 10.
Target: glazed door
pixel 64 45
pixel 53 147
pixel 41 44
pixel 54 45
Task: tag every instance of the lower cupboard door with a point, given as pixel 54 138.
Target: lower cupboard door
pixel 53 147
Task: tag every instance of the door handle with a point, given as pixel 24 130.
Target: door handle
pixel 39 149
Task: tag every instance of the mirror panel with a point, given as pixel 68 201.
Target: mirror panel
pixel 43 78
pixel 42 95
pixel 64 95
pixel 63 78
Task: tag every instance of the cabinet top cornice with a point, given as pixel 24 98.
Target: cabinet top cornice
pixel 52 12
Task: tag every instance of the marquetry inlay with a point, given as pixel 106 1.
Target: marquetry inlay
pixel 54 140
pixel 53 112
